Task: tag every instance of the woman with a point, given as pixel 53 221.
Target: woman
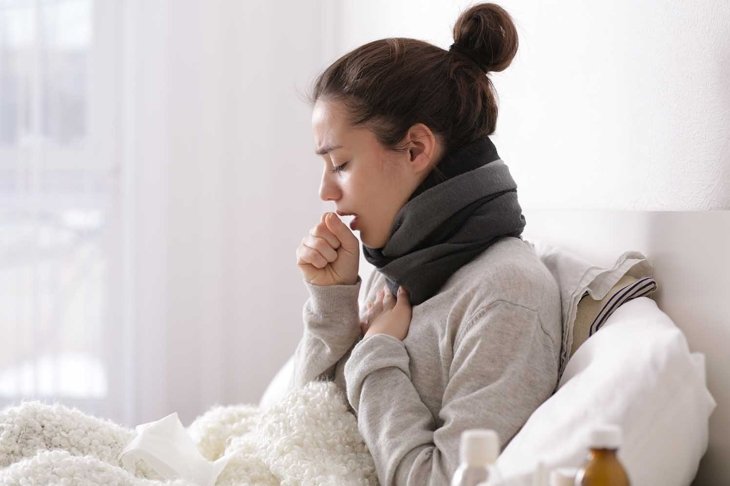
pixel 462 326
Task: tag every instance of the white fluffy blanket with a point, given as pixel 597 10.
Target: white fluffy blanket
pixel 307 438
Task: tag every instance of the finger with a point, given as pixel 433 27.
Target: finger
pixel 322 246
pixel 322 231
pixel 306 255
pixel 402 297
pixel 388 300
pixel 343 233
pixel 377 304
pixel 309 254
pixel 383 294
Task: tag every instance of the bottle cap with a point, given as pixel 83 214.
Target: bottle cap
pixel 479 447
pixel 605 437
pixel 564 476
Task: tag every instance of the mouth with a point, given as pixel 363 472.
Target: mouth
pixel 353 221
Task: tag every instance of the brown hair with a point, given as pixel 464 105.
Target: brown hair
pixel 389 85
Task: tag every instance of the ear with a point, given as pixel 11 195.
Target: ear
pixel 423 147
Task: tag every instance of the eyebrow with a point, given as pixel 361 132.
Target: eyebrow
pixel 326 149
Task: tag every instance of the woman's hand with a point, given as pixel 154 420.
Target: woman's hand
pixel 330 253
pixel 388 315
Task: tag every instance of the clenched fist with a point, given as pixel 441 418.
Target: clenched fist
pixel 330 253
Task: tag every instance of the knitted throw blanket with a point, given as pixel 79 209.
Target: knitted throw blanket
pixel 308 438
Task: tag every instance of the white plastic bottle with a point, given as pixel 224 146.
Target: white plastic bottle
pixel 478 453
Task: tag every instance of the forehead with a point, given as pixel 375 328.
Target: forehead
pixel 331 126
pixel 329 116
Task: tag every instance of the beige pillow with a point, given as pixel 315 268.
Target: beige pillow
pixel 591 313
pixel 577 278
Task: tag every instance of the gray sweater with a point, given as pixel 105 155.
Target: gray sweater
pixel 482 353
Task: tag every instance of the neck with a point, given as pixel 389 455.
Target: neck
pixel 454 162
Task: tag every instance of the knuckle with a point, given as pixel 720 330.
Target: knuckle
pixel 318 230
pixel 320 245
pixel 324 233
pixel 300 255
pixel 309 255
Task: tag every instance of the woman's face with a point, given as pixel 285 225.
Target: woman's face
pixel 361 176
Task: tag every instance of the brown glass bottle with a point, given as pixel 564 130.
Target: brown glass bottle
pixel 603 467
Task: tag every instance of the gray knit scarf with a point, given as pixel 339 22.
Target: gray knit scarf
pixel 465 205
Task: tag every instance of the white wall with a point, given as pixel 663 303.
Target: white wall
pixel 270 186
pixel 226 184
pixel 614 105
pixel 254 193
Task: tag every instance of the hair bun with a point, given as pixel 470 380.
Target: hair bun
pixel 486 34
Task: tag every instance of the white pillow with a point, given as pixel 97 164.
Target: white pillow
pixel 636 372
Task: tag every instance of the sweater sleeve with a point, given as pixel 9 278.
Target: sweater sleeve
pixel 503 367
pixel 331 327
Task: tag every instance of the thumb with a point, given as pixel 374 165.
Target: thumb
pixel 403 296
pixel 342 232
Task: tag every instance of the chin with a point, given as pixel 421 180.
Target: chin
pixel 371 244
pixel 364 240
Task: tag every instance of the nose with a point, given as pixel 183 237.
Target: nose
pixel 328 188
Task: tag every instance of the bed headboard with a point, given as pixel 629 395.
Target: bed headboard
pixel 690 252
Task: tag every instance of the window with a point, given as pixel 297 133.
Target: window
pixel 58 203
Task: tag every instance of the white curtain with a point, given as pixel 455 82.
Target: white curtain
pixel 70 124
pixel 156 175
pixel 61 186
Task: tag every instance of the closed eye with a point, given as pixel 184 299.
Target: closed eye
pixel 339 168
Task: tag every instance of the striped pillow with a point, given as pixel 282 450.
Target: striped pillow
pixel 591 314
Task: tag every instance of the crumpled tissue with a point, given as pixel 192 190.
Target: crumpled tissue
pixel 166 447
